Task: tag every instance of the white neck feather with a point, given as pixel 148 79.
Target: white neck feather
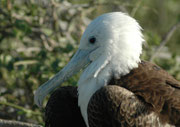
pixel 97 75
pixel 119 39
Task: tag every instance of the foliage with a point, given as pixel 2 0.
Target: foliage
pixel 37 39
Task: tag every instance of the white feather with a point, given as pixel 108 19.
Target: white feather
pixel 119 42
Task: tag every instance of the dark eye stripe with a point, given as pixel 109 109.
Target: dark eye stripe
pixel 92 40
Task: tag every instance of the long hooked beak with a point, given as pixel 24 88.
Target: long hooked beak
pixel 78 61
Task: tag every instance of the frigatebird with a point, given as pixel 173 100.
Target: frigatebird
pixel 116 87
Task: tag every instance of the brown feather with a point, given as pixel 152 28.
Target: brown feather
pixel 114 106
pixel 62 109
pixel 146 97
pixel 156 87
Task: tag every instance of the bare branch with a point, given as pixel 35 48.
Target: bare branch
pixel 19 107
pixel 134 10
pixel 12 123
pixel 165 40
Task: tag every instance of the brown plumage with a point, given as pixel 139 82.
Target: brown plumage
pixel 154 95
pixel 114 106
pixel 146 97
pixel 62 109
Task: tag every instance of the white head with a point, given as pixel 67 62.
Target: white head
pixel 116 43
pixel 110 46
pixel 118 39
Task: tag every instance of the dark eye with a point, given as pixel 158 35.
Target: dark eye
pixel 92 40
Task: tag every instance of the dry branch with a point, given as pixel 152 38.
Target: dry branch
pixel 12 123
pixel 165 40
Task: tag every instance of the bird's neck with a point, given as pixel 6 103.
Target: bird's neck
pixel 97 75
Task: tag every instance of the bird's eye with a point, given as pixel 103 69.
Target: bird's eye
pixel 92 40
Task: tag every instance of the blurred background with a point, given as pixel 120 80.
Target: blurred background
pixel 38 37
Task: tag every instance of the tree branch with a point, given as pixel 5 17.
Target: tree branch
pixel 165 40
pixel 12 123
pixel 19 107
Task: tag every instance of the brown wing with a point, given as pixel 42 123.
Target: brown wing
pixel 114 106
pixel 156 87
pixel 62 109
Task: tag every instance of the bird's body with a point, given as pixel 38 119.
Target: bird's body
pixel 147 96
pixel 110 51
pixel 123 102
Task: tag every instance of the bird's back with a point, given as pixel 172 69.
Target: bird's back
pixel 156 87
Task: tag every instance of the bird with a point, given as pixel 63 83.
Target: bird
pixel 116 87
